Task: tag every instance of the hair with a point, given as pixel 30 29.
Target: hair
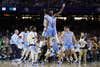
pixel 16 30
pixel 30 28
pixel 81 35
pixel 34 29
pixel 66 26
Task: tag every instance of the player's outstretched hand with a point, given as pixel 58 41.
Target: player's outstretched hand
pixel 63 5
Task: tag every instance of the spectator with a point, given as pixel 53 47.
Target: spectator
pixel 14 44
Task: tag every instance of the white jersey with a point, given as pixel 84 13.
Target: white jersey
pixel 20 41
pixel 42 43
pixel 32 37
pixel 82 42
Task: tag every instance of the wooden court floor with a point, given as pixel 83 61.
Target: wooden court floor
pixel 13 64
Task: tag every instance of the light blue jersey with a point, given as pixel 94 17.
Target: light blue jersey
pixel 14 39
pixel 55 45
pixel 54 25
pixel 34 49
pixel 25 34
pixel 68 40
pixel 50 28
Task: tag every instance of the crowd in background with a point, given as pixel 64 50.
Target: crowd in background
pixel 42 3
pixel 28 45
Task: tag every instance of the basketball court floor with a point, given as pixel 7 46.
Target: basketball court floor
pixel 13 64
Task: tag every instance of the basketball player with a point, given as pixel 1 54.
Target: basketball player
pixel 60 55
pixel 61 52
pixel 50 25
pixel 53 15
pixel 14 43
pixel 24 35
pixel 49 53
pixel 43 50
pixel 54 45
pixel 46 24
pixel 32 39
pixel 69 41
pixel 83 48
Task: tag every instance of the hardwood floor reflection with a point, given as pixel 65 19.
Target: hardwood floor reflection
pixel 13 64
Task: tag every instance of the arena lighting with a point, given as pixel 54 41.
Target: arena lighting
pixel 61 18
pixel 26 17
pixel 12 8
pixel 3 8
pixel 80 18
pixel 65 18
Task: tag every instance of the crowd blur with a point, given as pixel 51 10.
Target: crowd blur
pixel 43 3
pixel 29 45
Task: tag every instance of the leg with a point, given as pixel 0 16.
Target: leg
pixel 47 56
pixel 36 57
pixel 14 49
pixel 26 55
pixel 32 56
pixel 80 55
pixel 72 52
pixel 84 56
pixel 75 56
pixel 67 54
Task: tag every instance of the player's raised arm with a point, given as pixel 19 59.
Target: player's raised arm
pixel 63 6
